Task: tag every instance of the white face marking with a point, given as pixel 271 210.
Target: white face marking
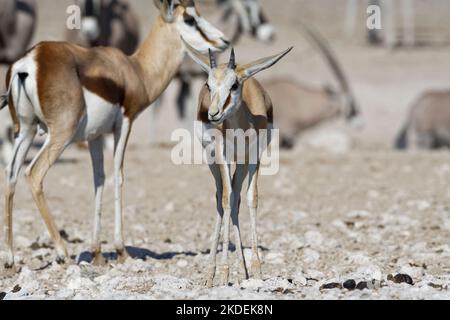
pixel 225 91
pixel 194 29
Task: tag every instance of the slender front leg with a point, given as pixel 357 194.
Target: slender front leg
pixel 226 204
pixel 211 270
pixel 96 151
pixel 121 140
pixel 21 148
pixel 238 180
pixel 252 202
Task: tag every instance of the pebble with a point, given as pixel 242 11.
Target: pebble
pixel 401 278
pixel 16 289
pixel 182 264
pixel 350 284
pixel 329 286
pixel 362 285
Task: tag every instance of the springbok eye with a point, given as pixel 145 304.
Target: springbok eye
pixel 190 21
pixel 235 86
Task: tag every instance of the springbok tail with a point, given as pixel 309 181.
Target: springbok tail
pixel 9 100
pixel 401 143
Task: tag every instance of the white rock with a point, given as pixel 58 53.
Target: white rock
pixel 73 271
pixel 182 264
pixel 313 238
pixel 299 279
pixel 310 255
pixel 276 283
pixel 252 284
pixel 79 283
pixel 314 274
pixel 275 258
pixel 370 272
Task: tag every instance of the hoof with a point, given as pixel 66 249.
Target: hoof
pixel 99 260
pixel 225 276
pixel 122 255
pixel 256 270
pixel 62 260
pixel 10 270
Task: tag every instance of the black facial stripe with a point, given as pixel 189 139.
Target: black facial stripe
pixel 189 20
pixel 227 102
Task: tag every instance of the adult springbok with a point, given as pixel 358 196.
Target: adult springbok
pixel 245 17
pixel 17 24
pixel 428 123
pixel 231 100
pixel 111 23
pixel 301 106
pixel 79 94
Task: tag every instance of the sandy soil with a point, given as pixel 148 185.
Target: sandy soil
pixel 348 208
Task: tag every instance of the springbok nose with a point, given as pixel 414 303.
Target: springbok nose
pixel 215 114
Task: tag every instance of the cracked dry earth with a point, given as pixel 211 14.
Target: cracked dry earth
pixel 324 219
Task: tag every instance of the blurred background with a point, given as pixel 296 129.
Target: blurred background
pixel 385 78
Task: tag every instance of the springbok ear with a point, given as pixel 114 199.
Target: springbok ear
pixel 199 58
pixel 249 70
pixel 187 3
pixel 166 7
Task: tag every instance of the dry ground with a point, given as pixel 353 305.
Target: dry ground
pixel 363 213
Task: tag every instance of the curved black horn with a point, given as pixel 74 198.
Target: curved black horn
pixel 232 63
pixel 212 59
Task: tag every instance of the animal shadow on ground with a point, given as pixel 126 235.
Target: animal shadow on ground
pixel 137 254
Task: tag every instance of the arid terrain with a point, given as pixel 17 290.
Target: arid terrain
pixel 344 206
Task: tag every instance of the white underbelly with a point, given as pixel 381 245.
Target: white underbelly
pixel 99 118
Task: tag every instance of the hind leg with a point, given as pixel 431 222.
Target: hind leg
pixel 96 150
pixel 36 172
pixel 21 147
pixel 121 140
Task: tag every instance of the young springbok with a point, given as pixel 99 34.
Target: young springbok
pixel 111 23
pixel 79 94
pixel 231 100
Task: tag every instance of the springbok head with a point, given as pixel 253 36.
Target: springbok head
pixel 252 19
pixel 225 81
pixel 192 27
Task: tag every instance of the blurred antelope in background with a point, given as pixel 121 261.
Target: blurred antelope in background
pixel 396 16
pixel 17 25
pixel 80 94
pixel 232 100
pixel 428 122
pixel 110 23
pixel 300 107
